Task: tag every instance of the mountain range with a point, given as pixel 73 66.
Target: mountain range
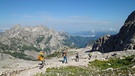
pixel 23 39
pixel 27 41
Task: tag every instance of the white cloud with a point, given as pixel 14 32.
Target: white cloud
pixel 112 29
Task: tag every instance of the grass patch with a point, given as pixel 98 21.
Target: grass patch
pixel 113 63
pixel 26 47
pixel 68 71
pixel 40 74
pixel 55 54
pixel 18 55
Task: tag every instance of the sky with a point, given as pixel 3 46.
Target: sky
pixel 66 15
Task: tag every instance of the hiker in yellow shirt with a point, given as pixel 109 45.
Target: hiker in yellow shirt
pixel 41 56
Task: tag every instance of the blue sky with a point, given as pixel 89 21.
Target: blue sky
pixel 66 15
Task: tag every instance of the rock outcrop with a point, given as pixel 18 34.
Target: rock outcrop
pixel 124 40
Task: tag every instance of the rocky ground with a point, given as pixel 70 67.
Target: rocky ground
pixel 18 67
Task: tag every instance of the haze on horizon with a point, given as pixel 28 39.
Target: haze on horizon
pixel 66 15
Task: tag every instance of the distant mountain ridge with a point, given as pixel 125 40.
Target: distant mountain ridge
pixel 36 38
pixel 124 40
pixel 95 34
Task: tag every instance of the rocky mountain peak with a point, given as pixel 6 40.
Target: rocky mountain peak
pixel 124 40
pixel 130 17
pixel 128 29
pixel 40 28
pixel 16 26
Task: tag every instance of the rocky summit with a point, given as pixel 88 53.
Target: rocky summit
pixel 124 40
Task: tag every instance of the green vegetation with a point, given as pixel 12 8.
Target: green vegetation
pixel 55 54
pixel 119 67
pixel 40 39
pixel 66 71
pixel 25 47
pixel 16 44
pixel 17 55
pixel 113 63
pixel 4 47
pixel 69 71
pixel 48 50
pixel 48 39
pixel 40 74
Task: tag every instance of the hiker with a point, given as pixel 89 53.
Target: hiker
pixel 77 57
pixel 64 56
pixel 41 56
pixel 90 55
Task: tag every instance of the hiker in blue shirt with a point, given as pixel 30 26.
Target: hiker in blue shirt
pixel 65 57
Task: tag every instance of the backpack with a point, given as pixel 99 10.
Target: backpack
pixel 39 57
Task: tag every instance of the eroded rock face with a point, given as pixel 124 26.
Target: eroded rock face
pixel 124 40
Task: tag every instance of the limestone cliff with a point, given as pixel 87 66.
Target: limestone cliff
pixel 124 40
